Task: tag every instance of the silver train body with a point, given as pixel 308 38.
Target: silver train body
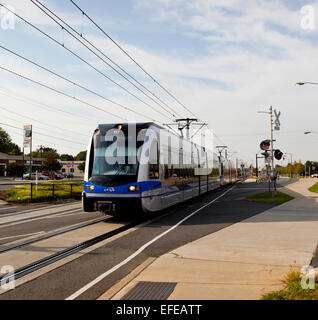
pixel 167 169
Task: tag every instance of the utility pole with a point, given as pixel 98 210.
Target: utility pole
pixel 220 150
pixel 31 155
pixel 185 124
pixel 23 161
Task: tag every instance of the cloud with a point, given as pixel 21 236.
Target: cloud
pixel 245 56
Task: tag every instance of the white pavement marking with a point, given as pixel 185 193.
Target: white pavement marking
pixel 105 274
pixel 22 235
pixel 39 208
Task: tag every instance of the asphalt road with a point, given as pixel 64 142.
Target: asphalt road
pixel 62 282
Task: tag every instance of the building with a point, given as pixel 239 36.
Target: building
pixel 5 159
pixel 71 167
pixel 67 166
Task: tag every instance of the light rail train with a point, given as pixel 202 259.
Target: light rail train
pixel 144 167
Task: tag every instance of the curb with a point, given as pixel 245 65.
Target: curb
pixel 124 282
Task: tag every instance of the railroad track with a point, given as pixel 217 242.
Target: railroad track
pixel 50 235
pixel 39 264
pixel 34 266
pixel 72 210
pixel 9 211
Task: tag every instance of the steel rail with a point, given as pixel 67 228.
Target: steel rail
pixel 34 266
pixel 73 210
pixel 50 235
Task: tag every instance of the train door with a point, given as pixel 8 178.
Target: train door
pixel 188 171
pixel 196 178
pixel 204 171
pixel 171 183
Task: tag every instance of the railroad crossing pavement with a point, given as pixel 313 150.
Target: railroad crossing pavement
pixel 243 261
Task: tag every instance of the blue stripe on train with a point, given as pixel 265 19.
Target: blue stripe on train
pixel 123 189
pixel 144 186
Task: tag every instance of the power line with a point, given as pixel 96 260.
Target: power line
pixel 131 58
pixel 116 64
pixel 46 135
pixel 41 104
pixel 60 92
pixel 42 123
pixel 40 140
pixel 83 60
pixel 69 81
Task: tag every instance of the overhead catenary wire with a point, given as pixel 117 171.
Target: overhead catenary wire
pixel 38 139
pixel 70 81
pixel 46 135
pixel 43 123
pixel 84 61
pixel 39 104
pixel 60 92
pixel 131 58
pixel 172 112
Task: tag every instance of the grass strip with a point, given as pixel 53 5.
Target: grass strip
pixel 293 290
pixel 314 188
pixel 267 197
pixel 43 192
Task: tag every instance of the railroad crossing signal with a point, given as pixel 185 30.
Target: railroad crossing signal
pixel 265 145
pixel 278 154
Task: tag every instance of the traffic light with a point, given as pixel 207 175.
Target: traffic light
pixel 278 154
pixel 265 145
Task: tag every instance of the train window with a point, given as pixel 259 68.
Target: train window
pixel 153 171
pixel 166 172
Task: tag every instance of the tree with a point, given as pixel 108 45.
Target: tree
pixel 42 151
pixel 50 163
pixel 299 168
pixel 15 150
pixel 81 156
pixel 16 169
pixel 81 166
pixel 295 168
pixel 66 157
pixel 6 144
pixel 5 141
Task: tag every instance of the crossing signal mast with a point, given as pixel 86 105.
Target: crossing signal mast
pixel 269 144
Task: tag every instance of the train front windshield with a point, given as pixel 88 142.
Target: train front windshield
pixel 112 158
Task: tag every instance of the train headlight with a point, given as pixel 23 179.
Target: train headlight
pixel 90 188
pixel 133 188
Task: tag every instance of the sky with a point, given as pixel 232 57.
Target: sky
pixel 223 60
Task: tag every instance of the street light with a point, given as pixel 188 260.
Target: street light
pixel 308 132
pixel 307 82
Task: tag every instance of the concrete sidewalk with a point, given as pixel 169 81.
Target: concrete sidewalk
pixel 242 261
